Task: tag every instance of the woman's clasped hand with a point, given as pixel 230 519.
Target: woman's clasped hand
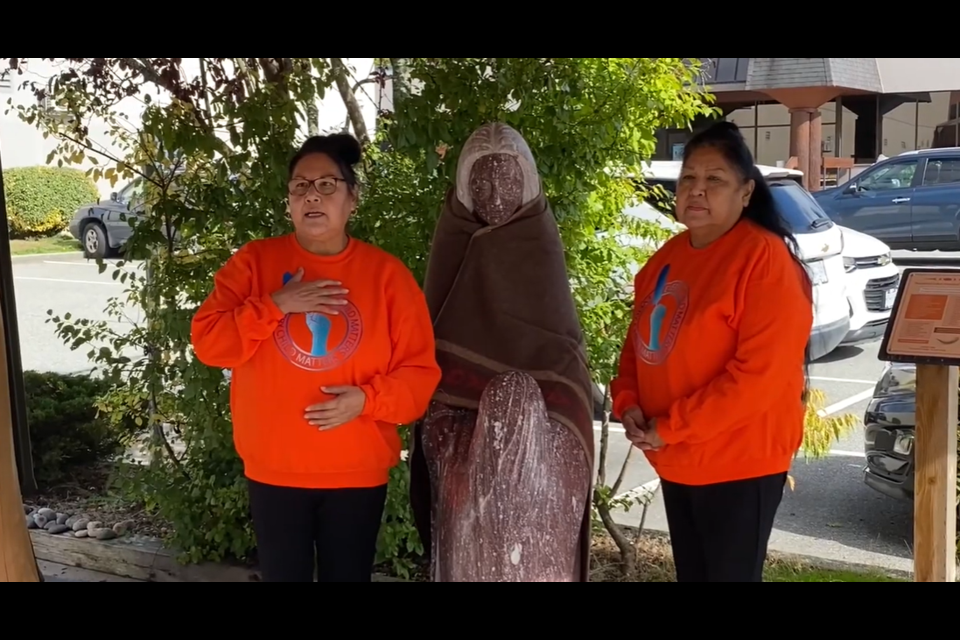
pixel 640 432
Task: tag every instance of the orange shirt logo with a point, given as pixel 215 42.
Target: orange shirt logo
pixel 305 339
pixel 659 319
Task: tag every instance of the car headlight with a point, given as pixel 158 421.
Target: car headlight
pixel 885 259
pixel 849 265
pixel 903 443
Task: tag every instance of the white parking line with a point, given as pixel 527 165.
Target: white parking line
pixel 847 454
pixel 643 492
pixel 844 404
pixel 850 380
pixel 107 284
pixel 85 263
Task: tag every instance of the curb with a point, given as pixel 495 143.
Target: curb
pixel 46 255
pixel 146 560
pixel 139 560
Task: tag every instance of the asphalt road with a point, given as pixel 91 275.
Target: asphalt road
pixel 65 284
pixel 831 513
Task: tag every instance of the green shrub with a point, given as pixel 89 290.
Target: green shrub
pixel 42 200
pixel 66 430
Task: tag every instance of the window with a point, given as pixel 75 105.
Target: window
pixel 897 175
pixel 131 194
pixel 798 208
pixel 942 171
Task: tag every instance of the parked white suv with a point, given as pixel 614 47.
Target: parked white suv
pixel 872 283
pixel 820 241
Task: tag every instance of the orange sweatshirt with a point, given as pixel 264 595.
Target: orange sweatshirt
pixel 382 342
pixel 716 354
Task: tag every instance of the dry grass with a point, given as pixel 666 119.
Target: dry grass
pixel 57 244
pixel 655 564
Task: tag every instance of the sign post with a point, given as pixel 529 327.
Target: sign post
pixel 925 330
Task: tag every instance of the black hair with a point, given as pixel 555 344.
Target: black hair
pixel 342 148
pixel 762 209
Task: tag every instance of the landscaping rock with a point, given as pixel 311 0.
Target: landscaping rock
pixel 74 526
pixel 49 514
pixel 103 534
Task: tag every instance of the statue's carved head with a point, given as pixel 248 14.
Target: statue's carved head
pixel 496 175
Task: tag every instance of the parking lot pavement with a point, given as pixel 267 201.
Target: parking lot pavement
pixel 65 284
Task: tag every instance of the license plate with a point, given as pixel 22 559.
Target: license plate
pixel 890 299
pixel 818 272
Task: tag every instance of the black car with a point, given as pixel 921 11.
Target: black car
pixel 103 228
pixel 890 427
pixel 890 421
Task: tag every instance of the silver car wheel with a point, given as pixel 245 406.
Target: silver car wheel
pixel 90 240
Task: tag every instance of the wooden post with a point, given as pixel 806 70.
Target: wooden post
pixel 935 519
pixel 924 330
pixel 17 563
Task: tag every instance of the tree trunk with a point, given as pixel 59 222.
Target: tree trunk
pixel 399 82
pixel 628 554
pixel 313 118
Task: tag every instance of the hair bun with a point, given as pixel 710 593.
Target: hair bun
pixel 347 147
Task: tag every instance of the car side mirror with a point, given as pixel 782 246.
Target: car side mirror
pixel 852 189
pixel 114 197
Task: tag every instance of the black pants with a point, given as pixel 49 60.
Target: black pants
pixel 720 532
pixel 332 530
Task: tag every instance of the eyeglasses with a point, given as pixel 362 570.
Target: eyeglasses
pixel 324 186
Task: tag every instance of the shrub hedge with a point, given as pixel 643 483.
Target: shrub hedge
pixel 42 200
pixel 67 433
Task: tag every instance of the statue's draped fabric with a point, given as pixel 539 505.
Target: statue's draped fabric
pixel 502 463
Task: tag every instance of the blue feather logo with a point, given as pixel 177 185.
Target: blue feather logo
pixel 659 312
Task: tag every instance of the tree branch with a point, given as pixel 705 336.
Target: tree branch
pixel 370 80
pixel 354 113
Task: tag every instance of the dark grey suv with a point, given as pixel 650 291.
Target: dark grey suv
pixel 911 201
pixel 103 228
pixel 890 426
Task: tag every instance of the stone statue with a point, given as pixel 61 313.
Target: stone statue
pixel 502 462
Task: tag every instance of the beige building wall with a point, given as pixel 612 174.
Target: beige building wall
pixel 909 127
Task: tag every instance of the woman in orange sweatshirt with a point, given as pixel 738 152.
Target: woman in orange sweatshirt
pixel 712 377
pixel 331 347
